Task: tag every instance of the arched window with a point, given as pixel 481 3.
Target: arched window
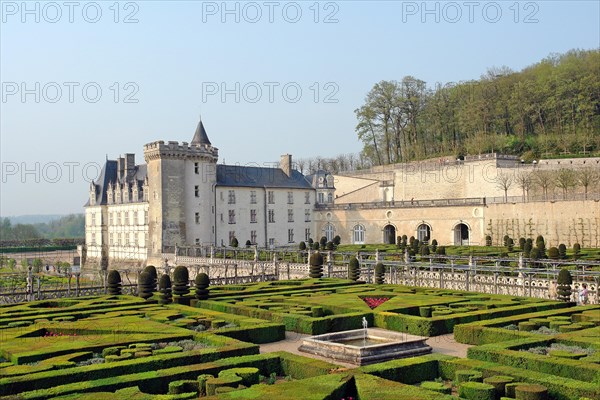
pixel 329 232
pixel 358 234
pixel 423 233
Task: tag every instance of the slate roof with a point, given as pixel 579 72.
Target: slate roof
pixel 200 136
pixel 109 173
pixel 242 176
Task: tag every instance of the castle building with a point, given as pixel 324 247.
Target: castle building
pixel 182 197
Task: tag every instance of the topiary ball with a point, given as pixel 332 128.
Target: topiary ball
pixel 202 282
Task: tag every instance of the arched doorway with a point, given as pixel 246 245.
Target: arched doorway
pixel 389 234
pixel 423 233
pixel 461 235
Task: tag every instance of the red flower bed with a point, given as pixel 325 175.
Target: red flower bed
pixel 374 302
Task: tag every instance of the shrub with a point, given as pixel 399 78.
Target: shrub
pixel 436 387
pixel 164 287
pixel 379 274
pixel 248 244
pixel 531 392
pixel 316 265
pixel 114 282
pixel 425 311
pixel 152 271
pixel 576 250
pixel 540 244
pixel 522 242
pixel 562 251
pixel 468 375
pixel 302 246
pixel 488 240
pixel 323 241
pixel 564 285
pixel 553 253
pixel 511 245
pixel 145 285
pixel 434 245
pixel 505 240
pixel 499 382
pixel 353 269
pixel 337 240
pixel 424 250
pixel 181 281
pixel 202 283
pixel 234 242
pixel 477 391
pixel 329 246
pixel 528 247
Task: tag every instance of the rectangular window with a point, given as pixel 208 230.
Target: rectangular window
pixel 252 216
pixel 253 237
pixel 135 218
pixel 321 198
pixel 307 215
pixel 271 216
pixel 271 242
pixel 93 219
pixel 290 197
pixel 231 236
pixel 119 241
pixel 232 216
pixel 221 195
pixel 93 239
pixel 127 222
pixel 306 234
pixel 196 168
pixel 271 197
pixel 253 197
pixel 197 191
pixel 110 219
pixel 126 240
pixel 146 217
pixel 111 239
pixel 197 217
pixel 306 197
pixel 231 197
pixel 290 236
pixel 290 215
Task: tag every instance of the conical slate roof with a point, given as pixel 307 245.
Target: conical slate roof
pixel 200 137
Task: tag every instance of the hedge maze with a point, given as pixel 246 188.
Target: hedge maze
pixel 205 344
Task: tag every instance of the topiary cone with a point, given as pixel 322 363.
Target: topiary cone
pixel 379 274
pixel 181 281
pixel 164 287
pixel 353 269
pixel 316 265
pixel 114 283
pixel 145 285
pixel 152 271
pixel 202 283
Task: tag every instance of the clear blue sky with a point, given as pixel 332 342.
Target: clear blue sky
pixel 178 54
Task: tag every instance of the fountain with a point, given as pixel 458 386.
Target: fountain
pixel 365 346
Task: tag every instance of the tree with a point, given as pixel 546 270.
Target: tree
pixel 544 179
pixel 337 240
pixel 330 246
pixel 553 253
pixel 181 281
pixel 353 269
pixel 434 244
pixel 524 181
pixel 113 282
pixel 234 242
pixel 323 241
pixel 504 181
pixel 587 177
pixel 510 244
pixel 37 265
pixel 248 244
pixel 316 265
pixel 145 285
pixel 424 250
pixel 302 246
pixel 202 283
pixel 576 251
pixel 565 180
pixel 522 242
pixel 528 248
pixel 164 287
pixel 488 240
pixel 564 285
pixel 379 274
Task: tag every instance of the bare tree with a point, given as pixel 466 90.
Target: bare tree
pixel 545 180
pixel 351 161
pixel 504 181
pixel 300 165
pixel 524 182
pixel 566 179
pixel 588 176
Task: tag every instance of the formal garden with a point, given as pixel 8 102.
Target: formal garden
pixel 184 339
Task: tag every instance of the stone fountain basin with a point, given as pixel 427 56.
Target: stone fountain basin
pixel 381 345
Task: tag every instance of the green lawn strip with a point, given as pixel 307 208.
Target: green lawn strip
pixel 559 388
pixel 508 353
pixel 107 371
pixel 490 331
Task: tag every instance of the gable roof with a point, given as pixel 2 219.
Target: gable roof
pixel 242 176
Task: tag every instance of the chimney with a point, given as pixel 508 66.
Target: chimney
pixel 286 164
pixel 129 164
pixel 120 167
